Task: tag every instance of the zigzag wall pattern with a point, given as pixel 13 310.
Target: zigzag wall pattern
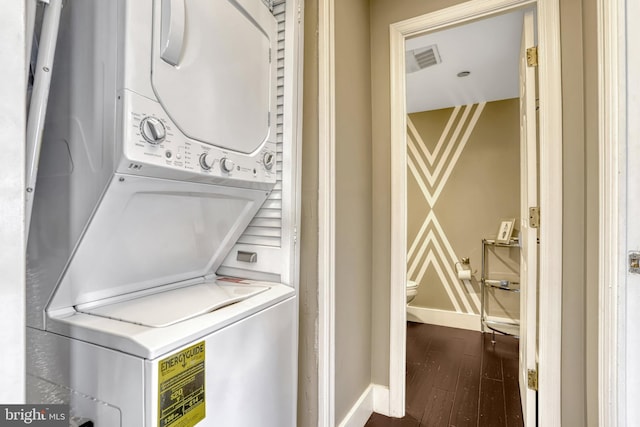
pixel 431 170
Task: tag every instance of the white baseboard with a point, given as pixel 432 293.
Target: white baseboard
pixel 361 410
pixel 451 319
pixel 381 399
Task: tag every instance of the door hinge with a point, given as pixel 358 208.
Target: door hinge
pixel 532 56
pixel 532 379
pixel 534 217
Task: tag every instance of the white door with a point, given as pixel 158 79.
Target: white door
pixel 529 235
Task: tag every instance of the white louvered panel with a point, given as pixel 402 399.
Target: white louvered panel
pixel 272 204
pixel 268 213
pixel 276 195
pixel 259 241
pixel 272 208
pixel 278 10
pixel 266 222
pixel 264 233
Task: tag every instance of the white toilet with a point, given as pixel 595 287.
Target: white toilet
pixel 412 290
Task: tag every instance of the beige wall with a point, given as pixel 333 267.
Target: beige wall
pixel 472 192
pixel 383 13
pixel 308 293
pixel 353 203
pixel 580 236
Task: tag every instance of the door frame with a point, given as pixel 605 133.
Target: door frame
pixel 550 137
pixel 326 214
pixel 612 144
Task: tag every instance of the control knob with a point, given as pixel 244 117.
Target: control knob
pixel 152 130
pixel 268 160
pixel 226 164
pixel 206 161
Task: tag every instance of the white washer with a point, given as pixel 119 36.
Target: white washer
pixel 158 151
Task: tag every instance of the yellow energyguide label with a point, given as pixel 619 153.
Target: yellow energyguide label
pixel 181 379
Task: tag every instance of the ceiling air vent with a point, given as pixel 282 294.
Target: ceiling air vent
pixel 421 58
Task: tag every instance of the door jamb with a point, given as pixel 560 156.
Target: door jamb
pixel 326 214
pixel 549 400
pixel 612 143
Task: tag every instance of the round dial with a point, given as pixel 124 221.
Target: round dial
pixel 226 164
pixel 268 160
pixel 206 161
pixel 153 130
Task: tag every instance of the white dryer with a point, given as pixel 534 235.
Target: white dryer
pixel 158 151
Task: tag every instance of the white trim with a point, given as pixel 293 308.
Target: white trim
pixel 292 128
pixel 611 42
pixel 381 399
pixel 550 191
pixel 451 319
pixel 292 143
pixel 326 215
pixel 550 261
pixel 361 410
pixel 398 297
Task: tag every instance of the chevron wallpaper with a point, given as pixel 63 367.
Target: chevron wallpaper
pixel 463 177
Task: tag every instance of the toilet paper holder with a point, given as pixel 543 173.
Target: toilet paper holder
pixel 463 269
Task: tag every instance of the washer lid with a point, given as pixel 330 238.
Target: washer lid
pixel 149 232
pixel 213 72
pixel 166 308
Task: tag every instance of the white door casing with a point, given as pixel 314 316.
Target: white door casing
pixel 630 241
pixel 550 139
pixel 528 234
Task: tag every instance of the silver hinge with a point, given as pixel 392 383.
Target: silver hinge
pixel 532 379
pixel 534 217
pixel 532 56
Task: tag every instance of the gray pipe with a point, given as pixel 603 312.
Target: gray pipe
pixel 39 99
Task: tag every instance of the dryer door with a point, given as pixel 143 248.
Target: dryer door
pixel 212 70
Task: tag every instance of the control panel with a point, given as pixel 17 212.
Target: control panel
pixel 152 139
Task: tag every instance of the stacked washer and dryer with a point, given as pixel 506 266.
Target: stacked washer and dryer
pixel 159 149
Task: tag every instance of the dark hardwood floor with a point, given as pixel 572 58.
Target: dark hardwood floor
pixel 457 378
